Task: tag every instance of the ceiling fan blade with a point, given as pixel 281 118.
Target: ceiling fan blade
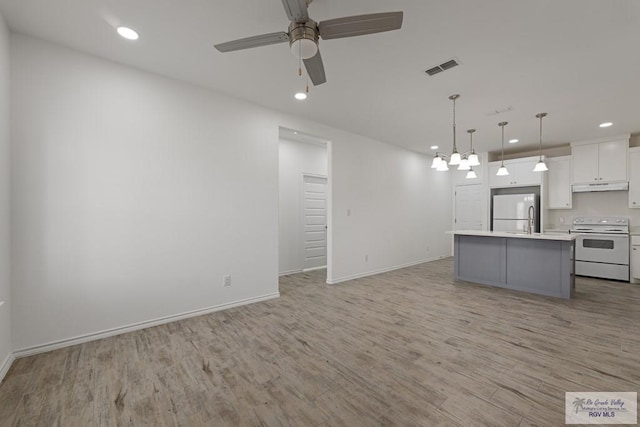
pixel 296 10
pixel 360 25
pixel 315 69
pixel 255 41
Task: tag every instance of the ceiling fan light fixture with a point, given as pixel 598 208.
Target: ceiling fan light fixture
pixel 303 39
pixel 304 48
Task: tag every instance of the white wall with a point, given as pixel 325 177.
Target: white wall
pixel 389 208
pixel 605 203
pixel 5 291
pixel 296 159
pixel 134 194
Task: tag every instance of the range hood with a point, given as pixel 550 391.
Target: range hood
pixel 601 186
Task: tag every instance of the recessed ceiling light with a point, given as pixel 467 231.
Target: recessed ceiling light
pixel 434 147
pixel 128 33
pixel 605 124
pixel 300 96
pixel 513 141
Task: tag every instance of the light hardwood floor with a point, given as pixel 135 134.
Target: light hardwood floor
pixel 409 347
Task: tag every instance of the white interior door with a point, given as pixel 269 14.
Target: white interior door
pixel 314 222
pixel 469 207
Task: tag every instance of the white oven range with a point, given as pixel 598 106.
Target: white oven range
pixel 602 247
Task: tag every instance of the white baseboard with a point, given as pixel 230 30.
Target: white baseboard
pixel 4 368
pixel 382 270
pixel 43 348
pixel 288 272
pixel 306 270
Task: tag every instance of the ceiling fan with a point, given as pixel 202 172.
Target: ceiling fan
pixel 304 33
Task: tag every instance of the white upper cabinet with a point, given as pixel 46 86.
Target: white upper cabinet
pixel 600 161
pixel 520 173
pixel 559 188
pixel 634 178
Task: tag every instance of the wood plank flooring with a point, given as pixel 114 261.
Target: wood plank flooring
pixel 409 348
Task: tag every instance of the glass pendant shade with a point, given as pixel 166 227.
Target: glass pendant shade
pixel 502 171
pixel 464 164
pixel 442 166
pixel 455 159
pixel 436 162
pixel 471 174
pixel 540 166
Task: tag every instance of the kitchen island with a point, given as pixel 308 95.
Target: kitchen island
pixel 536 263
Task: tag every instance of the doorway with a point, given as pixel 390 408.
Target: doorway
pixel 314 222
pixel 304 203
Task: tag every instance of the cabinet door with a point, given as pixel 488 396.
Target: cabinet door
pixel 559 189
pixel 523 173
pixel 585 163
pixel 612 164
pixel 635 262
pixel 634 179
pixel 499 181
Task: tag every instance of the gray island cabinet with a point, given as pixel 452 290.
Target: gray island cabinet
pixel 536 263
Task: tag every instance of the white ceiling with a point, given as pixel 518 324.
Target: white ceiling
pixel 578 60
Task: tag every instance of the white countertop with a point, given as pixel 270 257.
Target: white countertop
pixel 516 235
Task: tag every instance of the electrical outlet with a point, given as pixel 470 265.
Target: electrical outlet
pixel 226 280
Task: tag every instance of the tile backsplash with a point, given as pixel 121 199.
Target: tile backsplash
pixel 605 203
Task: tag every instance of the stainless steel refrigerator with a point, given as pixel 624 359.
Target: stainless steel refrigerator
pixel 510 211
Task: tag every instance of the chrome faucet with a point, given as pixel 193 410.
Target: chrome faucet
pixel 530 219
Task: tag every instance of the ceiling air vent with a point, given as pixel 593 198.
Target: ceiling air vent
pixel 442 67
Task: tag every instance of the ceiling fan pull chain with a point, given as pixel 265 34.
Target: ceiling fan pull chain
pixel 307 82
pixel 300 60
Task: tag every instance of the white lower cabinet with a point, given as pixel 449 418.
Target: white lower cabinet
pixel 559 188
pixel 635 259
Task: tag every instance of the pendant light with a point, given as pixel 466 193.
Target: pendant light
pixel 503 170
pixel 473 157
pixel 472 160
pixel 436 161
pixel 464 163
pixel 455 156
pixel 541 165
